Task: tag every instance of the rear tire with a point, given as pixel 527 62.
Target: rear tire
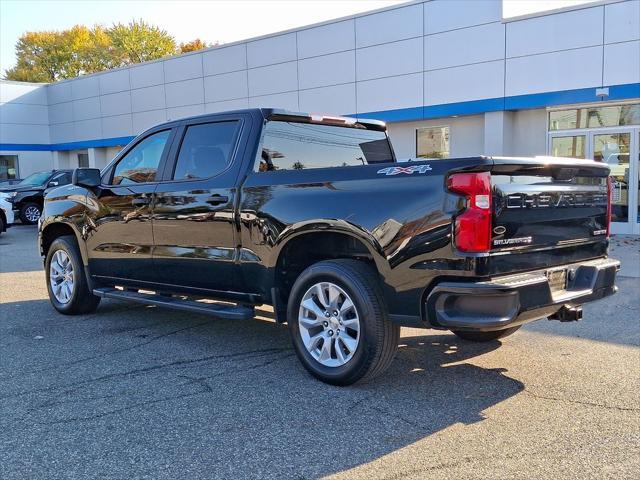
pixel 30 213
pixel 66 281
pixel 1 225
pixel 362 341
pixel 486 336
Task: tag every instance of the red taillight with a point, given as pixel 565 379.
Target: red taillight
pixel 472 228
pixel 609 194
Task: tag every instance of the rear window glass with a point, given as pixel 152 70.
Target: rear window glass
pixel 299 146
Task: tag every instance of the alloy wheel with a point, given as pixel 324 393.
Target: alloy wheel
pixel 61 276
pixel 329 324
pixel 32 214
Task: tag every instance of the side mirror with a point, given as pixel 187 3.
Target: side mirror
pixel 53 183
pixel 86 177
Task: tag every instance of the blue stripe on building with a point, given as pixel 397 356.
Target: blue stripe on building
pixel 519 102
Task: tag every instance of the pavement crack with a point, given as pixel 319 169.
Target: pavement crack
pixel 580 402
pixel 397 416
pixel 252 367
pixel 199 381
pixel 123 409
pixel 106 354
pixel 138 371
pixel 202 381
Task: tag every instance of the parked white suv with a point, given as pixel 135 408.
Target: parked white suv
pixel 6 213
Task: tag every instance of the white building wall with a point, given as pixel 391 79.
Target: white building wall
pixel 30 162
pixel 522 133
pixel 528 133
pixel 569 50
pixel 426 57
pixel 421 54
pixel 24 119
pixel 466 135
pixel 23 113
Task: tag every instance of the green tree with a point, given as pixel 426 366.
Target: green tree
pixel 139 42
pixel 49 56
pixel 40 58
pixel 89 50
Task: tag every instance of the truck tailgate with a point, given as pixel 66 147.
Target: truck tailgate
pixel 549 204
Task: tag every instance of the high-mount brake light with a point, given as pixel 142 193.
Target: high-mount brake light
pixel 609 199
pixel 472 227
pixel 331 120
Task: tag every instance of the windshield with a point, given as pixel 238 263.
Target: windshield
pixel 36 178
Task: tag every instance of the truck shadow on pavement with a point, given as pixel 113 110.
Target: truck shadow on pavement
pixel 139 391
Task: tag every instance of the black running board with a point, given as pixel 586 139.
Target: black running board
pixel 220 310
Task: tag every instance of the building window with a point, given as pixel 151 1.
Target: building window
pixel 595 117
pixel 8 167
pixel 432 142
pixel 570 146
pixel 83 160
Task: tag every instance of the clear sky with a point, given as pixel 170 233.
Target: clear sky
pixel 210 20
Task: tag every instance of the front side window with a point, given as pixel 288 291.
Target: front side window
pixel 432 142
pixel 8 167
pixel 140 165
pixel 299 146
pixel 206 150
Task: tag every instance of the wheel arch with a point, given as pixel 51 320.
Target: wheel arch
pixel 54 230
pixel 303 245
pixel 33 198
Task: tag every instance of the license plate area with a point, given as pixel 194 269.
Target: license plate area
pixel 557 279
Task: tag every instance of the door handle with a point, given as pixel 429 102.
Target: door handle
pixel 217 199
pixel 140 202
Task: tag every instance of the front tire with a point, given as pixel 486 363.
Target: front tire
pixel 339 324
pixel 486 336
pixel 66 281
pixel 30 213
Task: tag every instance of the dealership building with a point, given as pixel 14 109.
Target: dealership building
pixel 451 78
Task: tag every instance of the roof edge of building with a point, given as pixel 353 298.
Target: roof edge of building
pixel 569 8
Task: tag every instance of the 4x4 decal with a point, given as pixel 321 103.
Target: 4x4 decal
pixel 406 170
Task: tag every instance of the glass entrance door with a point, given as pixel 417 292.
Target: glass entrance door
pixel 619 149
pixel 608 133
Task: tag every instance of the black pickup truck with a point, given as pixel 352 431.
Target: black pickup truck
pixel 27 196
pixel 313 216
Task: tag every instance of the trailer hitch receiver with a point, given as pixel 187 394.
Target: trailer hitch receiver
pixel 567 314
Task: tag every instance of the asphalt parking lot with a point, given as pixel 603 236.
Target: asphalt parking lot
pixel 140 392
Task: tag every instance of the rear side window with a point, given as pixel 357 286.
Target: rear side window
pixel 206 150
pixel 298 146
pixel 140 164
